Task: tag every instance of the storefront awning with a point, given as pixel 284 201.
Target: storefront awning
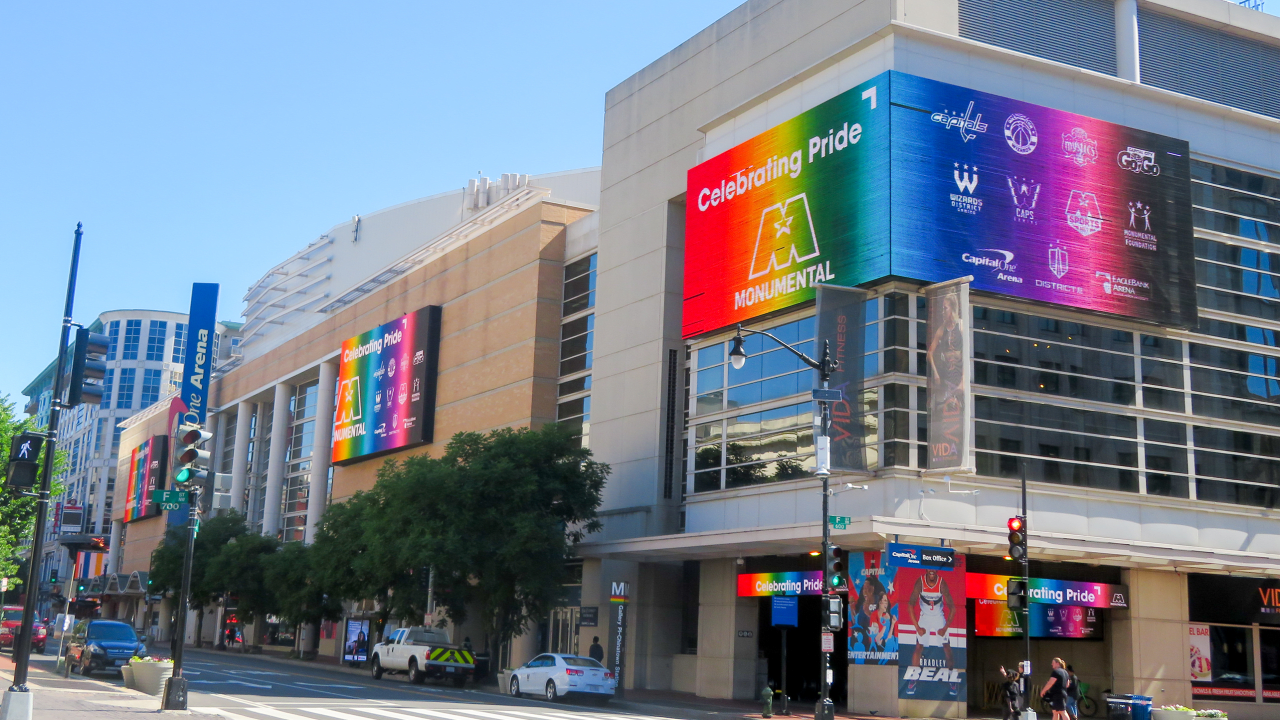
pixel 872 532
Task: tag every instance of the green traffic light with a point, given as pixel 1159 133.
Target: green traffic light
pixel 183 476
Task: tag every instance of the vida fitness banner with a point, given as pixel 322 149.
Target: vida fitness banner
pixel 929 593
pixel 1035 203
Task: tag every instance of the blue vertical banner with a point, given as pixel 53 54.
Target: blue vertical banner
pixel 198 363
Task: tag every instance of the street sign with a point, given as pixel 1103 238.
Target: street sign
pixel 170 497
pixel 820 395
pixel 828 642
pixel 839 522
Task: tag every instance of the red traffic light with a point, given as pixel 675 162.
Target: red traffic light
pixel 1015 524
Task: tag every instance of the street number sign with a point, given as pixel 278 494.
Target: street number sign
pixel 167 497
pixel 839 522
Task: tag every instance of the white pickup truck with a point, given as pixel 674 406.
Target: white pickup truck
pixel 422 652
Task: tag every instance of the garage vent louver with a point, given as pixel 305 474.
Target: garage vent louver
pixel 1075 32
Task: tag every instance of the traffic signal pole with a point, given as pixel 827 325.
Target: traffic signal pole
pixel 17 704
pixel 175 694
pixel 1026 583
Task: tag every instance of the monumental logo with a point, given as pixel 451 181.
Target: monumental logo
pixel 1139 234
pixel 1021 134
pixel 968 124
pixel 1137 160
pixel 1025 194
pixel 1079 147
pixel 1084 213
pixel 964 201
pixel 785 240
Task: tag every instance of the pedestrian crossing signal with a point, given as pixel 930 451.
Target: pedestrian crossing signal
pixel 1016 594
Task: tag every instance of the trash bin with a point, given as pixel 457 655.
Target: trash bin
pixel 1128 707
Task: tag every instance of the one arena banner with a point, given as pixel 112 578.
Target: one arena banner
pixel 932 663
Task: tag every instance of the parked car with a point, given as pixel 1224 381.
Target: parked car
pixel 557 675
pixel 11 622
pixel 423 652
pixel 102 645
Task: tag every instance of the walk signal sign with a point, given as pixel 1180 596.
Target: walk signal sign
pixel 1016 594
pixel 24 451
pixel 832 612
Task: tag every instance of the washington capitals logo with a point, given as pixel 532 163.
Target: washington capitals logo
pixel 968 123
pixel 785 237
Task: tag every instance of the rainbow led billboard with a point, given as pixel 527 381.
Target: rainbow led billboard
pixel 387 387
pixel 913 178
pixel 148 464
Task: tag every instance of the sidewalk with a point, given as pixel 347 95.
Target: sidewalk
pixel 58 698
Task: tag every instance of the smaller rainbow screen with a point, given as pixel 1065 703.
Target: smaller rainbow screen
pixel 147 467
pixel 387 387
pixel 780 583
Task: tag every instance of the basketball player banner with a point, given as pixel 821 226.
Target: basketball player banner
pixel 873 617
pixel 950 363
pixel 930 602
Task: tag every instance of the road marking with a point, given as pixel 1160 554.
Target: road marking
pixel 353 687
pixel 440 714
pixel 336 714
pixel 265 710
pixel 231 682
pixel 387 713
pixel 255 672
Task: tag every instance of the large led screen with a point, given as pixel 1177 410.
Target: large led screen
pixel 802 204
pixel 1040 204
pixel 387 387
pixel 909 177
pixel 148 464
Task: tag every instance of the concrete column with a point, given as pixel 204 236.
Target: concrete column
pixel 280 418
pixel 219 441
pixel 321 449
pixel 113 547
pixel 726 662
pixel 1150 641
pixel 100 501
pixel 240 455
pixel 1128 66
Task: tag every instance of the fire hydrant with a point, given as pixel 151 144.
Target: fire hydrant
pixel 766 695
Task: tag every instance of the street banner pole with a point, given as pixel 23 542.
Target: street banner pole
pixel 17 703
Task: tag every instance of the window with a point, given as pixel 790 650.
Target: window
pixel 150 388
pixel 155 339
pixel 179 343
pixel 132 338
pixel 124 391
pixel 579 286
pixel 113 336
pixel 98 450
pixel 576 414
pixel 115 440
pixel 576 344
pixel 106 389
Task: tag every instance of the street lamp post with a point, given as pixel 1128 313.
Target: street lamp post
pixel 825 365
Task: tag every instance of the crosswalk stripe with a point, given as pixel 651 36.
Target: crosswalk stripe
pixel 439 714
pixel 263 710
pixel 388 713
pixel 337 714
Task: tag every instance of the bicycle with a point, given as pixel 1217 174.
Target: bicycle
pixel 1087 706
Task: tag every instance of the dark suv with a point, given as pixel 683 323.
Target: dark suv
pixel 102 645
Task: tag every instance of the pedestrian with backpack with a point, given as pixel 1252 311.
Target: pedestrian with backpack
pixel 1010 693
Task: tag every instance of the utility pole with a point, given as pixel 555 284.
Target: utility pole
pixel 824 710
pixel 175 692
pixel 1026 583
pixel 17 703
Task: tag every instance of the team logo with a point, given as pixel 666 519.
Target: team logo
pixel 1083 212
pixel 1137 160
pixel 1025 193
pixel 418 357
pixel 391 368
pixel 1059 261
pixel 404 393
pixel 1139 234
pixel 1020 133
pixel 785 237
pixel 964 201
pixel 1079 147
pixel 968 124
pixel 377 401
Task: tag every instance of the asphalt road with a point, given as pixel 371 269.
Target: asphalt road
pixel 246 687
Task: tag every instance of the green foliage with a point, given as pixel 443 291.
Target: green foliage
pixel 166 561
pixel 300 598
pixel 496 518
pixel 240 570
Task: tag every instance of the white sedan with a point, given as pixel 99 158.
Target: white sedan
pixel 556 675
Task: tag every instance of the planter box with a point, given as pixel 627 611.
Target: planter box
pixel 1157 714
pixel 127 672
pixel 149 677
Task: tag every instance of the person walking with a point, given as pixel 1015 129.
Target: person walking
pixel 1055 690
pixel 1073 694
pixel 1010 693
pixel 596 652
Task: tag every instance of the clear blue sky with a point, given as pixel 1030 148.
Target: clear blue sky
pixel 206 142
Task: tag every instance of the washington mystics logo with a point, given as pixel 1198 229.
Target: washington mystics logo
pixel 785 237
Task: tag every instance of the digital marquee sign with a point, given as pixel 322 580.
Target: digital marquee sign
pixel 913 178
pixel 148 465
pixel 808 582
pixel 387 387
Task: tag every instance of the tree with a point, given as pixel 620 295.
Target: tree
pixel 300 598
pixel 496 518
pixel 167 561
pixel 240 570
pixel 17 513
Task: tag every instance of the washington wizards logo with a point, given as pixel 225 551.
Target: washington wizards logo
pixel 1021 134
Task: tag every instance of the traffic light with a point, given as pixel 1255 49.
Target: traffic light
pixel 832 612
pixel 1017 539
pixel 1016 594
pixel 836 579
pixel 215 493
pixel 24 451
pixel 80 586
pixel 53 576
pixel 89 363
pixel 194 459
